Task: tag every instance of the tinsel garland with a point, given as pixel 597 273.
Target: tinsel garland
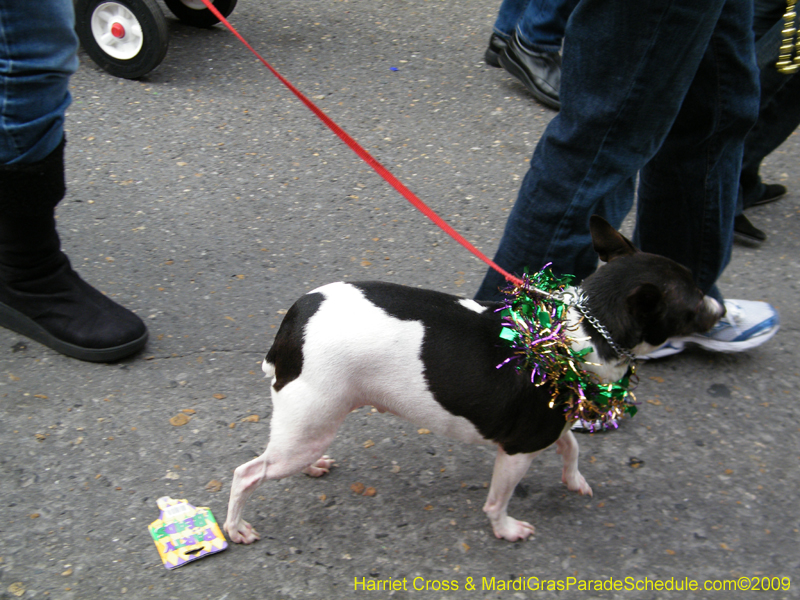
pixel 534 325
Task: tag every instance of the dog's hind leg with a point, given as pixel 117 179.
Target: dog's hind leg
pixel 567 447
pixel 303 425
pixel 508 470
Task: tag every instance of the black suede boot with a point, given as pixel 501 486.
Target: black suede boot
pixel 41 296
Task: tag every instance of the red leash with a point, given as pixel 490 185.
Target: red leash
pixel 367 157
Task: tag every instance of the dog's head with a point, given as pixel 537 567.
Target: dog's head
pixel 642 297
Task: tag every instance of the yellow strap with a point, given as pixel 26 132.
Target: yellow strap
pixel 791 42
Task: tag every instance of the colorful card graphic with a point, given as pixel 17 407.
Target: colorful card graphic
pixel 185 533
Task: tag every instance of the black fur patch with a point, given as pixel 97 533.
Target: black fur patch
pixel 287 349
pixel 644 297
pixel 460 353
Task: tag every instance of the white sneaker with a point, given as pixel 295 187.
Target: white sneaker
pixel 746 324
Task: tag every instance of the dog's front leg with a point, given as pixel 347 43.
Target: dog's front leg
pixel 246 478
pixel 567 447
pixel 508 470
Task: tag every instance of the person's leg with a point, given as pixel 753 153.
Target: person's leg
pixel 626 69
pixel 779 116
pixel 542 24
pixel 38 49
pixel 779 111
pixel 533 52
pixel 40 295
pixel 768 29
pixel 504 25
pixel 688 191
pixel 508 16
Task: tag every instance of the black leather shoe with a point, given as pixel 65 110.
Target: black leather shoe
pixel 772 192
pixel 495 49
pixel 747 233
pixel 539 72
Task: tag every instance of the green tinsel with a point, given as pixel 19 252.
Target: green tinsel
pixel 535 327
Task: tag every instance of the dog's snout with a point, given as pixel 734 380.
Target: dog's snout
pixel 709 312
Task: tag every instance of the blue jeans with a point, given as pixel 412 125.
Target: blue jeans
pixel 779 111
pixel 539 24
pixel 778 117
pixel 665 90
pixel 38 53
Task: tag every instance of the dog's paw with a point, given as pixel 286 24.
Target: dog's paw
pixel 576 483
pixel 512 530
pixel 241 533
pixel 320 468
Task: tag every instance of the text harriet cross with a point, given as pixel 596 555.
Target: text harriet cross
pixel 535 584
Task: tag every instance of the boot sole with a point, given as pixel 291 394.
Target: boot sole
pixel 16 321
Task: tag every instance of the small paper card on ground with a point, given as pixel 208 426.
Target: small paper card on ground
pixel 185 533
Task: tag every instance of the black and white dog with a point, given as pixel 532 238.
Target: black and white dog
pixel 432 358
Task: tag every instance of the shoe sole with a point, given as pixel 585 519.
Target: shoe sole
pixel 762 201
pixel 16 321
pixel 747 240
pixel 512 67
pixel 679 345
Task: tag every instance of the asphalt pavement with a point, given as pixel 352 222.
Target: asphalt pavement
pixel 206 198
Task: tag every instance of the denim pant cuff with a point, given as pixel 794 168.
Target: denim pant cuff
pixel 533 47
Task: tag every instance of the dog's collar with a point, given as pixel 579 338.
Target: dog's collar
pixel 578 299
pixel 536 327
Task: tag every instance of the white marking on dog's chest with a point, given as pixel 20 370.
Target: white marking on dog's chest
pixel 607 372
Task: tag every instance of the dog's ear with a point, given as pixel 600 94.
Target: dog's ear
pixel 607 241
